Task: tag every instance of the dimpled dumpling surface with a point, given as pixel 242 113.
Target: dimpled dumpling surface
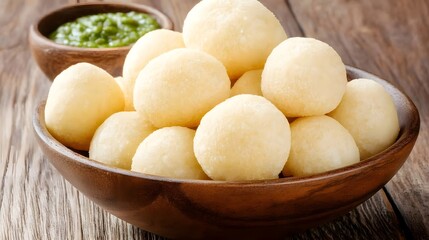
pixel 319 144
pixel 116 140
pixel 243 138
pixel 179 87
pixel 368 112
pixel 151 45
pixel 249 83
pixel 239 33
pixel 304 77
pixel 169 152
pixel 79 100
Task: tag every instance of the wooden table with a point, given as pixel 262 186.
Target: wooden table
pixel 389 38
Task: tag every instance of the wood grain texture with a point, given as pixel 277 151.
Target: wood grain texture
pixel 36 203
pixel 389 39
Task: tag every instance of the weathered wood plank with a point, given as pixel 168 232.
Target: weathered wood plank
pixel 30 207
pixel 390 39
pixel 371 220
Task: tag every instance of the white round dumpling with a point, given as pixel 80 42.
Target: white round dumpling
pixel 79 100
pixel 249 83
pixel 304 77
pixel 116 140
pixel 148 47
pixel 240 33
pixel 319 144
pixel 168 152
pixel 367 111
pixel 243 138
pixel 120 81
pixel 179 87
pixel 127 97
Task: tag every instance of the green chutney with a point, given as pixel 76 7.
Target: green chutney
pixel 105 30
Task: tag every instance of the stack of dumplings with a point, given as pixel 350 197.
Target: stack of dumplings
pixel 234 101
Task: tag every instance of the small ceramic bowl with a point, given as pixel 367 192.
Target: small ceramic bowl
pixel 204 209
pixel 53 58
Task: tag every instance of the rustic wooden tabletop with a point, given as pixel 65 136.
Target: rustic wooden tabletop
pixel 385 37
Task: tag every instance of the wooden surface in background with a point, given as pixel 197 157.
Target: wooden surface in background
pixel 387 38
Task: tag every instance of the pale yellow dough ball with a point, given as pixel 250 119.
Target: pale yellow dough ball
pixel 319 144
pixel 116 140
pixel 169 152
pixel 304 77
pixel 368 112
pixel 249 83
pixel 79 100
pixel 127 97
pixel 120 81
pixel 243 138
pixel 179 87
pixel 240 33
pixel 148 47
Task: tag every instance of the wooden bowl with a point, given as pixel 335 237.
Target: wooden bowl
pixel 53 58
pixel 187 209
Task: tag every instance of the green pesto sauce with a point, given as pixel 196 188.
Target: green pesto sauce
pixel 105 30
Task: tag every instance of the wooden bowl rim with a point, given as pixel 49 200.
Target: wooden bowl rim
pixel 404 138
pixel 165 23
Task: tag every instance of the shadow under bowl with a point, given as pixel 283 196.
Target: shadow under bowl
pixel 195 209
pixel 53 58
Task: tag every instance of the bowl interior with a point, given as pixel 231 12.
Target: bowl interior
pixel 409 122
